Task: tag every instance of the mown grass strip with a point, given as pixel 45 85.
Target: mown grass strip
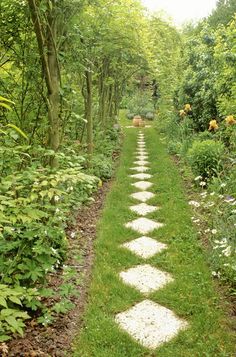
pixel 191 296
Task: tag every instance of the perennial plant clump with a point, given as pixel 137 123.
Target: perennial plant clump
pixel 205 158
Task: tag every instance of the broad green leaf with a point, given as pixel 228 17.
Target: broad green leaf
pixel 18 130
pixel 15 299
pixel 3 302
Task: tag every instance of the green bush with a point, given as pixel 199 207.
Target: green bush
pixel 205 158
pixel 102 167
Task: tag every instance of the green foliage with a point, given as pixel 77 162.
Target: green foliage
pixel 141 103
pixel 13 302
pixel 101 166
pixel 205 158
pixel 32 239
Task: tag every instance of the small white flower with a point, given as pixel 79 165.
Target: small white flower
pixel 207 230
pixel 194 203
pixel 214 231
pixel 227 251
pixel 224 241
pixel 210 204
pixel 73 234
pixel 56 198
pixel 223 185
pixel 57 210
pixel 202 183
pixel 53 250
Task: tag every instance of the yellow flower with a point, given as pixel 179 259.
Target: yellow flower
pixel 182 113
pixel 230 120
pixel 213 125
pixel 100 183
pixel 187 108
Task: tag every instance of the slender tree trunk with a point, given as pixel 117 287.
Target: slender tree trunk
pixel 51 70
pixel 89 117
pixel 54 94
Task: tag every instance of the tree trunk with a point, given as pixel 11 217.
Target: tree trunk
pixel 89 117
pixel 51 70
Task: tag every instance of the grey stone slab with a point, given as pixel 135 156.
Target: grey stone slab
pixel 142 185
pixel 143 225
pixel 143 209
pixel 146 278
pixel 145 247
pixel 143 196
pixel 150 324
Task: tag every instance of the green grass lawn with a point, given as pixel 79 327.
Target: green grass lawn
pixel 192 295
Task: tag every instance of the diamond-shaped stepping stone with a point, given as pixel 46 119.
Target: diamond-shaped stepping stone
pixel 142 157
pixel 141 176
pixel 143 196
pixel 146 278
pixel 145 247
pixel 140 168
pixel 142 185
pixel 143 209
pixel 150 324
pixel 144 225
pixel 141 162
pixel 142 151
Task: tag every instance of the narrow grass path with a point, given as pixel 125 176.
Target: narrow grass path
pixel 191 294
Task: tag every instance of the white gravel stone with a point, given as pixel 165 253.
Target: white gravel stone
pixel 142 185
pixel 141 145
pixel 141 162
pixel 145 247
pixel 150 324
pixel 141 176
pixel 143 196
pixel 144 225
pixel 140 168
pixel 143 209
pixel 145 278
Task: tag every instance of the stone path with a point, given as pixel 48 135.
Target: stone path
pixel 147 322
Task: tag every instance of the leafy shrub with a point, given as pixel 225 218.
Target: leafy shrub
pixel 102 167
pixel 204 135
pixel 33 214
pixel 205 158
pixel 13 301
pixel 174 147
